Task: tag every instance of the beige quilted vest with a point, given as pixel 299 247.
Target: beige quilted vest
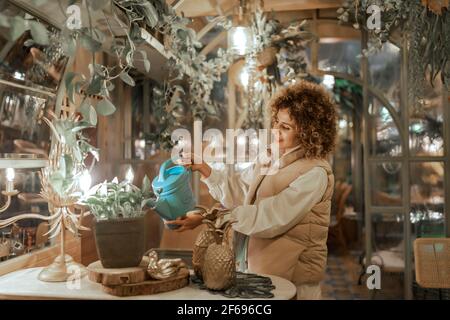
pixel 300 254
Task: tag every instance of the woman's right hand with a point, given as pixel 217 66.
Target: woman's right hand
pixel 187 222
pixel 188 161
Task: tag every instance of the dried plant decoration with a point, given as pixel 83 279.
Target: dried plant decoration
pixel 426 26
pixel 436 6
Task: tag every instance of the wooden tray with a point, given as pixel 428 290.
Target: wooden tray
pixel 126 282
pixel 150 286
pixel 110 276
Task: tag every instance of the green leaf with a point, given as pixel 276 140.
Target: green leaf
pixel 69 46
pixel 98 35
pixel 70 92
pixel 98 4
pixel 92 116
pixel 68 165
pixel 127 79
pixel 29 42
pixel 95 86
pixel 88 112
pixel 105 107
pixel 90 44
pixel 39 2
pixel 110 86
pixel 18 27
pixel 146 65
pixel 69 78
pixel 4 21
pixel 57 181
pixel 39 33
pixel 150 14
pixel 146 185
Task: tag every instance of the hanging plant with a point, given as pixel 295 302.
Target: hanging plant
pixel 348 95
pixel 168 110
pixel 425 23
pixel 437 6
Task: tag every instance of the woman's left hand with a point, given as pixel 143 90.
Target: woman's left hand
pixel 188 222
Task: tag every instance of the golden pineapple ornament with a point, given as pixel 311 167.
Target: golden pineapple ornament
pixel 219 267
pixel 205 239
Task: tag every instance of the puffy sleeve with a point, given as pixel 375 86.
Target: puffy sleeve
pixel 277 214
pixel 228 187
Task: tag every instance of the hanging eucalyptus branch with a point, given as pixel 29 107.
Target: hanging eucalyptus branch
pixel 188 61
pixel 425 23
pixel 284 47
pixel 168 110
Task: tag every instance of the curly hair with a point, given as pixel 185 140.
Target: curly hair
pixel 314 113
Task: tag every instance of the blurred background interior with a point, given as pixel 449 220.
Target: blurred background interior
pixel 391 163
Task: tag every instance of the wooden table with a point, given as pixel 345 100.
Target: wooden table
pixel 24 284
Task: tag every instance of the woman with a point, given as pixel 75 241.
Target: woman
pixel 282 219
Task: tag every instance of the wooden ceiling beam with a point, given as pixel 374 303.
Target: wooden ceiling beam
pixel 196 8
pixel 294 5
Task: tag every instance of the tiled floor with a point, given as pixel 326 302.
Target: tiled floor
pixel 341 279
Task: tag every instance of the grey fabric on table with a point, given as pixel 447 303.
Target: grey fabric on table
pixel 248 285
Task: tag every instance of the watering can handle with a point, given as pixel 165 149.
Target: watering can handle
pixel 162 170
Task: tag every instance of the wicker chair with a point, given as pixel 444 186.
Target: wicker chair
pixel 432 262
pixel 336 231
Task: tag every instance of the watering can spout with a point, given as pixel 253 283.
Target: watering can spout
pixel 162 170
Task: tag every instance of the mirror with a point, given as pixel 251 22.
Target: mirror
pixel 30 75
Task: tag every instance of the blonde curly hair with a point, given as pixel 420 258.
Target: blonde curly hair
pixel 314 112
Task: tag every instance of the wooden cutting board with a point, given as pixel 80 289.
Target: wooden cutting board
pixel 125 282
pixel 150 286
pixel 117 276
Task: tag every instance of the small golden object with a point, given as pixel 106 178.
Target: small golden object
pixel 205 238
pixel 219 267
pixel 160 269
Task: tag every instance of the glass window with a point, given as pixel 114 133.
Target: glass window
pixel 384 134
pixel 384 72
pixel 426 127
pixel 340 56
pixel 386 183
pixel 427 199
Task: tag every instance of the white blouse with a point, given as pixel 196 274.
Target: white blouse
pixel 274 215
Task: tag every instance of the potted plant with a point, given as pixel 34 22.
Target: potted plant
pixel 119 225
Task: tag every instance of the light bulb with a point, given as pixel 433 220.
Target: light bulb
pixel 240 39
pixel 10 174
pixel 244 77
pixel 129 175
pixel 85 181
pixel 241 140
pixel 328 81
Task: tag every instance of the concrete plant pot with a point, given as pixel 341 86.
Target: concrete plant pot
pixel 120 242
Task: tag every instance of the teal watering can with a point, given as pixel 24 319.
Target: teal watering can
pixel 173 188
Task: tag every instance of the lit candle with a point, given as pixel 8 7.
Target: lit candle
pixel 129 175
pixel 85 182
pixel 10 174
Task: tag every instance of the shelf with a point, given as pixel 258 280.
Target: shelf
pixel 156 53
pixel 25 87
pixel 22 161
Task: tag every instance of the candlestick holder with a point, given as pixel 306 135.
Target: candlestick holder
pixel 11 161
